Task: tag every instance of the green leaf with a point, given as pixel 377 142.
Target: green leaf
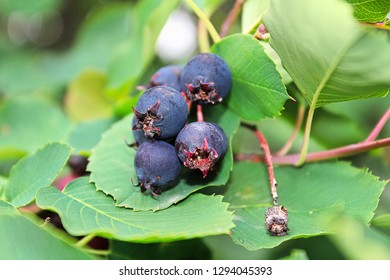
pixel 371 10
pixel 134 55
pixel 85 135
pixel 26 124
pixel 331 59
pixel 112 166
pixel 24 238
pixel 252 11
pixel 87 90
pixel 83 210
pixel 358 241
pixel 313 196
pixel 193 249
pixel 4 205
pixel 382 221
pixel 257 89
pixel 35 171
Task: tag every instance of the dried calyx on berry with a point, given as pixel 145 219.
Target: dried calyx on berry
pixel 206 79
pixel 199 145
pixel 276 220
pixel 160 113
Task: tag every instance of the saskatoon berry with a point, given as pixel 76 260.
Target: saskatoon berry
pixel 200 144
pixel 167 76
pixel 157 165
pixel 161 112
pixel 206 79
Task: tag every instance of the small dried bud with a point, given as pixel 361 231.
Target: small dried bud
pixel 276 219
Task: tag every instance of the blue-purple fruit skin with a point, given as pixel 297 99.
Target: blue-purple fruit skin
pixel 167 76
pixel 207 68
pixel 193 136
pixel 156 165
pixel 172 110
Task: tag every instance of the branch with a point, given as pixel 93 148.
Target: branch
pixel 284 150
pixel 320 156
pixel 231 18
pixel 377 129
pixel 268 160
pixel 199 113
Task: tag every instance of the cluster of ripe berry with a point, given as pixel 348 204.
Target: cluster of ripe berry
pixel 160 118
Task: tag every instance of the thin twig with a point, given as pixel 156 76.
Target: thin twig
pixel 199 113
pixel 85 240
pixel 231 18
pixel 323 155
pixel 378 127
pixel 202 16
pixel 268 160
pixel 284 150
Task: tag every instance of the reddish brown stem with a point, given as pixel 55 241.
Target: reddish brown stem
pixel 268 160
pixel 231 18
pixel 323 155
pixel 284 150
pixel 377 129
pixel 199 113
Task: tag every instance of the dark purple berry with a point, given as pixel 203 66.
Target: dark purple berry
pixel 78 165
pixel 161 112
pixel 166 76
pixel 200 144
pixel 157 166
pixel 206 79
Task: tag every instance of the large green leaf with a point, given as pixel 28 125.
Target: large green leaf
pixel 257 89
pixel 252 12
pixel 370 10
pixel 357 241
pixel 26 124
pixel 112 166
pixel 85 135
pixel 333 58
pixel 35 171
pixel 24 238
pixel 133 55
pixel 83 210
pixel 193 249
pixel 313 196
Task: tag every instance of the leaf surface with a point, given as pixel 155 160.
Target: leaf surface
pixel 313 196
pixel 27 124
pixel 257 89
pixel 112 166
pixel 328 66
pixel 35 171
pixel 136 52
pixel 83 210
pixel 24 238
pixel 370 10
